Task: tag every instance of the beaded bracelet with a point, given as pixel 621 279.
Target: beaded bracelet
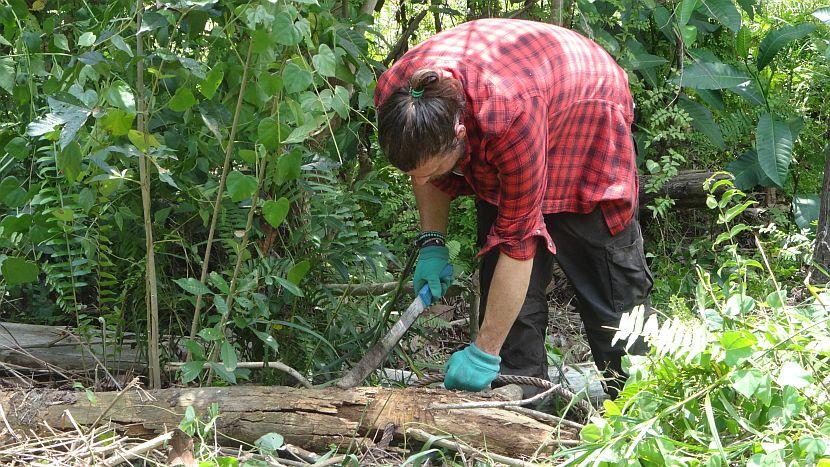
pixel 423 237
pixel 432 242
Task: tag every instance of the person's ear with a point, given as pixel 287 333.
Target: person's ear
pixel 460 131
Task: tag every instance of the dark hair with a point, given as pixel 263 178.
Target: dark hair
pixel 412 129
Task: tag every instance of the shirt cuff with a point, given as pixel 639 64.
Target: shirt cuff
pixel 520 246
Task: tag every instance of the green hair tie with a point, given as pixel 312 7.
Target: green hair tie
pixel 416 93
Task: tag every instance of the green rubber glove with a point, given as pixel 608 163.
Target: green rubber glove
pixel 471 369
pixel 431 263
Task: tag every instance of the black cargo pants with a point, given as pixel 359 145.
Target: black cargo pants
pixel 609 274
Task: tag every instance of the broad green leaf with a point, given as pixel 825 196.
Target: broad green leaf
pixel 283 30
pixel 223 372
pixel 288 166
pixel 644 61
pixel 298 272
pixel 711 75
pixel 69 161
pixel 301 133
pixel 71 116
pixel 210 334
pixel 220 304
pixel 143 141
pixel 749 7
pixel 12 192
pixel 777 39
pixel 749 92
pixel 64 214
pixel 325 61
pixel 746 382
pixel 689 34
pixel 269 133
pixel 61 42
pixel 228 355
pixel 269 443
pixel 191 370
pixel 17 147
pixel 793 374
pixel 702 121
pixel 812 446
pixel 86 39
pixel 823 15
pixel 590 433
pixel 295 79
pixel 776 300
pixel 684 11
pixel 117 122
pixel 289 286
pixel 19 271
pixel 742 41
pixel 724 11
pixel 268 339
pixel 248 156
pixel 737 345
pixel 806 209
pixel 13 224
pixel 712 98
pixel 213 79
pixel 192 286
pixel 340 102
pixel 774 144
pixel 240 186
pixel 119 94
pixel 182 100
pixel 7 74
pixel 275 211
pixel 119 44
pixel 739 304
pixel 261 41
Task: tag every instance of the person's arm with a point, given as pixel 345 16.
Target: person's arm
pixel 507 294
pixel 520 155
pixel 433 206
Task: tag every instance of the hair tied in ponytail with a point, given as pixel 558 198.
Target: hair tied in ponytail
pixel 416 93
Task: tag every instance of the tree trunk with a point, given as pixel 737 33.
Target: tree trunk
pixel 310 418
pixel 821 253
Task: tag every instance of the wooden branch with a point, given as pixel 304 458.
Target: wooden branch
pixel 194 327
pixel 136 451
pixel 309 418
pixel 400 45
pixel 821 253
pixel 151 292
pixel 175 366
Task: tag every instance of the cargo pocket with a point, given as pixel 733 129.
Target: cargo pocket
pixel 631 280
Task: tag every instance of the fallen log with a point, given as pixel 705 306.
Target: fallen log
pixel 36 346
pixel 309 418
pixel 686 189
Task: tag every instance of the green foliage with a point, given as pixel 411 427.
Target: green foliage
pixel 741 381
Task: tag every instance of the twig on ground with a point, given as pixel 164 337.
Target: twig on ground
pixel 132 383
pixel 422 435
pixel 494 404
pixel 544 417
pixel 173 366
pixel 138 450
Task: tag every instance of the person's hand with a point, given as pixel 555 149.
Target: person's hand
pixel 430 270
pixel 471 369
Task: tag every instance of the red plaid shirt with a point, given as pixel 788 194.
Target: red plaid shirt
pixel 548 121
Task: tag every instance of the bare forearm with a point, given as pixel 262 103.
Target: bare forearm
pixel 433 206
pixel 507 294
